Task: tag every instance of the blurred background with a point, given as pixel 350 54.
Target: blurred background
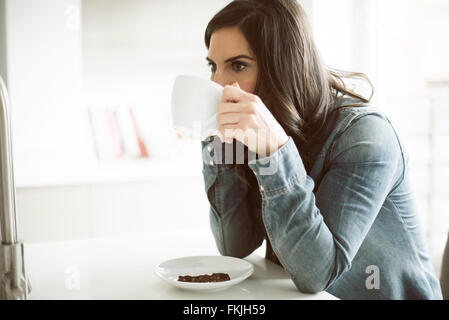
pixel 90 82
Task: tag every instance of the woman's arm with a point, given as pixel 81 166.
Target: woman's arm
pixel 316 236
pixel 231 218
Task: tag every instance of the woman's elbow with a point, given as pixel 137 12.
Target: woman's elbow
pixel 319 280
pixel 311 286
pixel 315 280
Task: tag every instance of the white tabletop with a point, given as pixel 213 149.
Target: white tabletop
pixel 124 268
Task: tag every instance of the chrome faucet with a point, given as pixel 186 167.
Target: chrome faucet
pixel 14 284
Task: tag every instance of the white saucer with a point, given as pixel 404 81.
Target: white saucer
pixel 237 269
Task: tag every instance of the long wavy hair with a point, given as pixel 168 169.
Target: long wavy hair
pixel 293 81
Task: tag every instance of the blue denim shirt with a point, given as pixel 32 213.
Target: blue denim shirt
pixel 349 226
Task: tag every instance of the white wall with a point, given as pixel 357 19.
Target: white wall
pixel 435 40
pixel 44 74
pixel 346 33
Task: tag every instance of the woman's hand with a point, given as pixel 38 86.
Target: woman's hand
pixel 243 116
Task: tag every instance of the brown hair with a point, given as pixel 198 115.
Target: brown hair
pixel 293 82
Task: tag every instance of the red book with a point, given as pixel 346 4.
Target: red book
pixel 143 151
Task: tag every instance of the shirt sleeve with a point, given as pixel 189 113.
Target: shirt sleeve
pixel 231 213
pixel 317 235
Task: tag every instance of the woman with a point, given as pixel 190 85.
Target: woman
pixel 334 204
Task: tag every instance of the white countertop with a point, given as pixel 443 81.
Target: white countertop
pixel 124 268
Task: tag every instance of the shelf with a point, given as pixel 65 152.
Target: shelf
pixel 113 172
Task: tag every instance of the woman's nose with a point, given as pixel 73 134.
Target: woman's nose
pixel 218 80
pixel 221 80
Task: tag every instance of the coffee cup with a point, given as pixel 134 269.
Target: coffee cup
pixel 194 102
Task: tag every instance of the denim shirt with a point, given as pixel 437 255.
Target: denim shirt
pixel 349 226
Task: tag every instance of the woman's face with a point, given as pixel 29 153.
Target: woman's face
pixel 231 60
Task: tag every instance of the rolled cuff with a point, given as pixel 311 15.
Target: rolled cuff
pixel 279 171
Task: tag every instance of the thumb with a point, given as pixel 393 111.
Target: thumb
pixel 236 84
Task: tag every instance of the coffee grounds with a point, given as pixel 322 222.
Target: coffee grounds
pixel 215 277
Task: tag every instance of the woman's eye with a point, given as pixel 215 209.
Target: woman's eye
pixel 212 67
pixel 238 66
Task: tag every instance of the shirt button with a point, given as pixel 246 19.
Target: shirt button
pixel 261 188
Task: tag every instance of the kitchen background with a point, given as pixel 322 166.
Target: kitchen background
pixel 79 70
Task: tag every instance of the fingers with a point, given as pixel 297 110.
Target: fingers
pixel 229 118
pixel 233 94
pixel 229 107
pixel 236 114
pixel 234 122
pixel 235 131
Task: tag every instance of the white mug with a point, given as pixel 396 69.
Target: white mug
pixel 194 102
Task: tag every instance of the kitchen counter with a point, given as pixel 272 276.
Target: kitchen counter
pixel 124 268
